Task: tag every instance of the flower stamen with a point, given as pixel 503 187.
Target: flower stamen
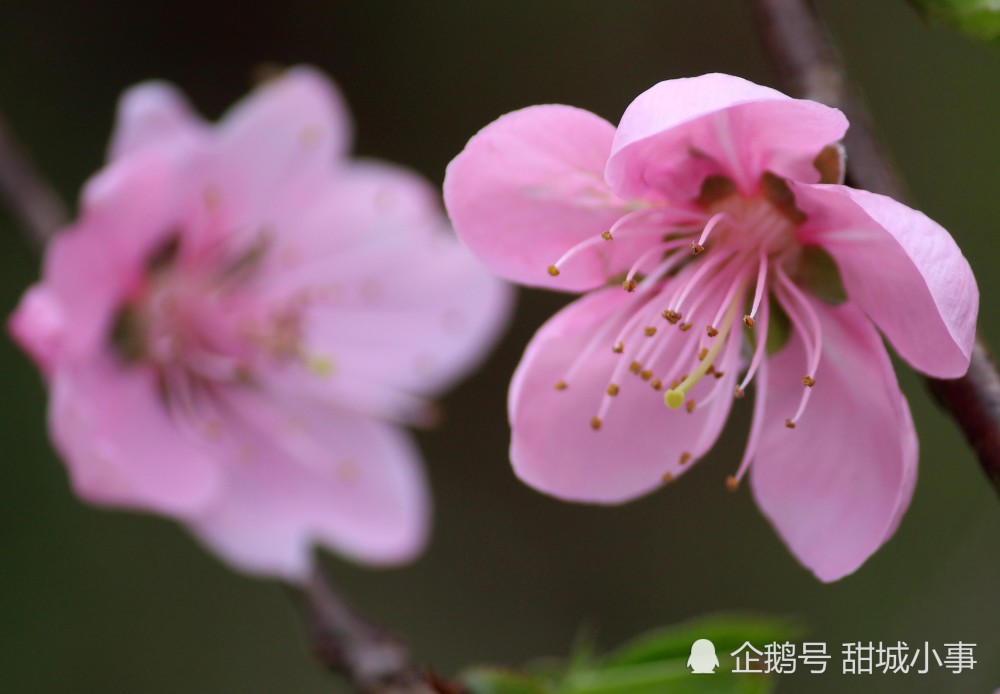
pixel 698 246
pixel 758 294
pixel 617 231
pixel 674 397
pixel 812 333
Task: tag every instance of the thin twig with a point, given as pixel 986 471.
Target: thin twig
pixel 36 205
pixel 373 659
pixel 808 66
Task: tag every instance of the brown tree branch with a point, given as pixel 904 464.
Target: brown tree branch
pixel 806 60
pixel 373 659
pixel 32 200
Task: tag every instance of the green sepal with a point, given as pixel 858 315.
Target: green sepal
pixel 819 275
pixel 830 164
pixel 777 191
pixel 714 188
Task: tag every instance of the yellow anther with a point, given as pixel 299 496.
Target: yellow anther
pixel 613 389
pixel 673 398
pixel 667 478
pixel 732 484
pixel 321 366
pixel 672 316
pixel 553 270
pixel 701 357
pixel 790 424
pixel 618 347
pixel 656 384
pixel 595 423
pixel 685 327
pixel 749 322
pixel 629 285
pixel 685 458
pixel 689 406
pixel 635 367
pixel 650 331
pixel 645 375
pixel 808 381
pixel 561 385
pixel 696 248
pixel 712 332
pixel 607 236
pixel 718 374
pixel 738 392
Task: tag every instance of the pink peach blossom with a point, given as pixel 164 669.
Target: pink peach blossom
pixel 240 318
pixel 718 204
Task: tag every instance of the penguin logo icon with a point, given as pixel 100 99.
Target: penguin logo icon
pixel 703 660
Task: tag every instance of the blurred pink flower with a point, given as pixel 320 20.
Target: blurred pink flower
pixel 238 316
pixel 718 204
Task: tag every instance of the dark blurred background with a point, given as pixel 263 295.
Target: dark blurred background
pixel 98 601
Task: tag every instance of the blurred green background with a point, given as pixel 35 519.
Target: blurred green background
pixel 98 601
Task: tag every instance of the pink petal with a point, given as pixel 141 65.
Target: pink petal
pixel 836 486
pixel 289 131
pixel 396 303
pixel 128 209
pixel 38 325
pixel 306 474
pixel 153 114
pixel 367 205
pixel 553 447
pixel 903 269
pixel 530 186
pixel 131 205
pixel 426 320
pixel 680 130
pixel 120 444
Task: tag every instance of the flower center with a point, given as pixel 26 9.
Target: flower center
pixel 196 315
pixel 728 259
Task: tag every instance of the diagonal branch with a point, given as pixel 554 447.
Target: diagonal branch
pixel 374 660
pixel 36 205
pixel 808 66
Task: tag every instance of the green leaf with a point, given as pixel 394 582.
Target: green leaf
pixel 582 654
pixel 670 676
pixel 727 632
pixel 495 681
pixel 655 663
pixel 977 18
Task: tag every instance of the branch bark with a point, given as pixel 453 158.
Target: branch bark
pixel 808 66
pixel 373 659
pixel 34 203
